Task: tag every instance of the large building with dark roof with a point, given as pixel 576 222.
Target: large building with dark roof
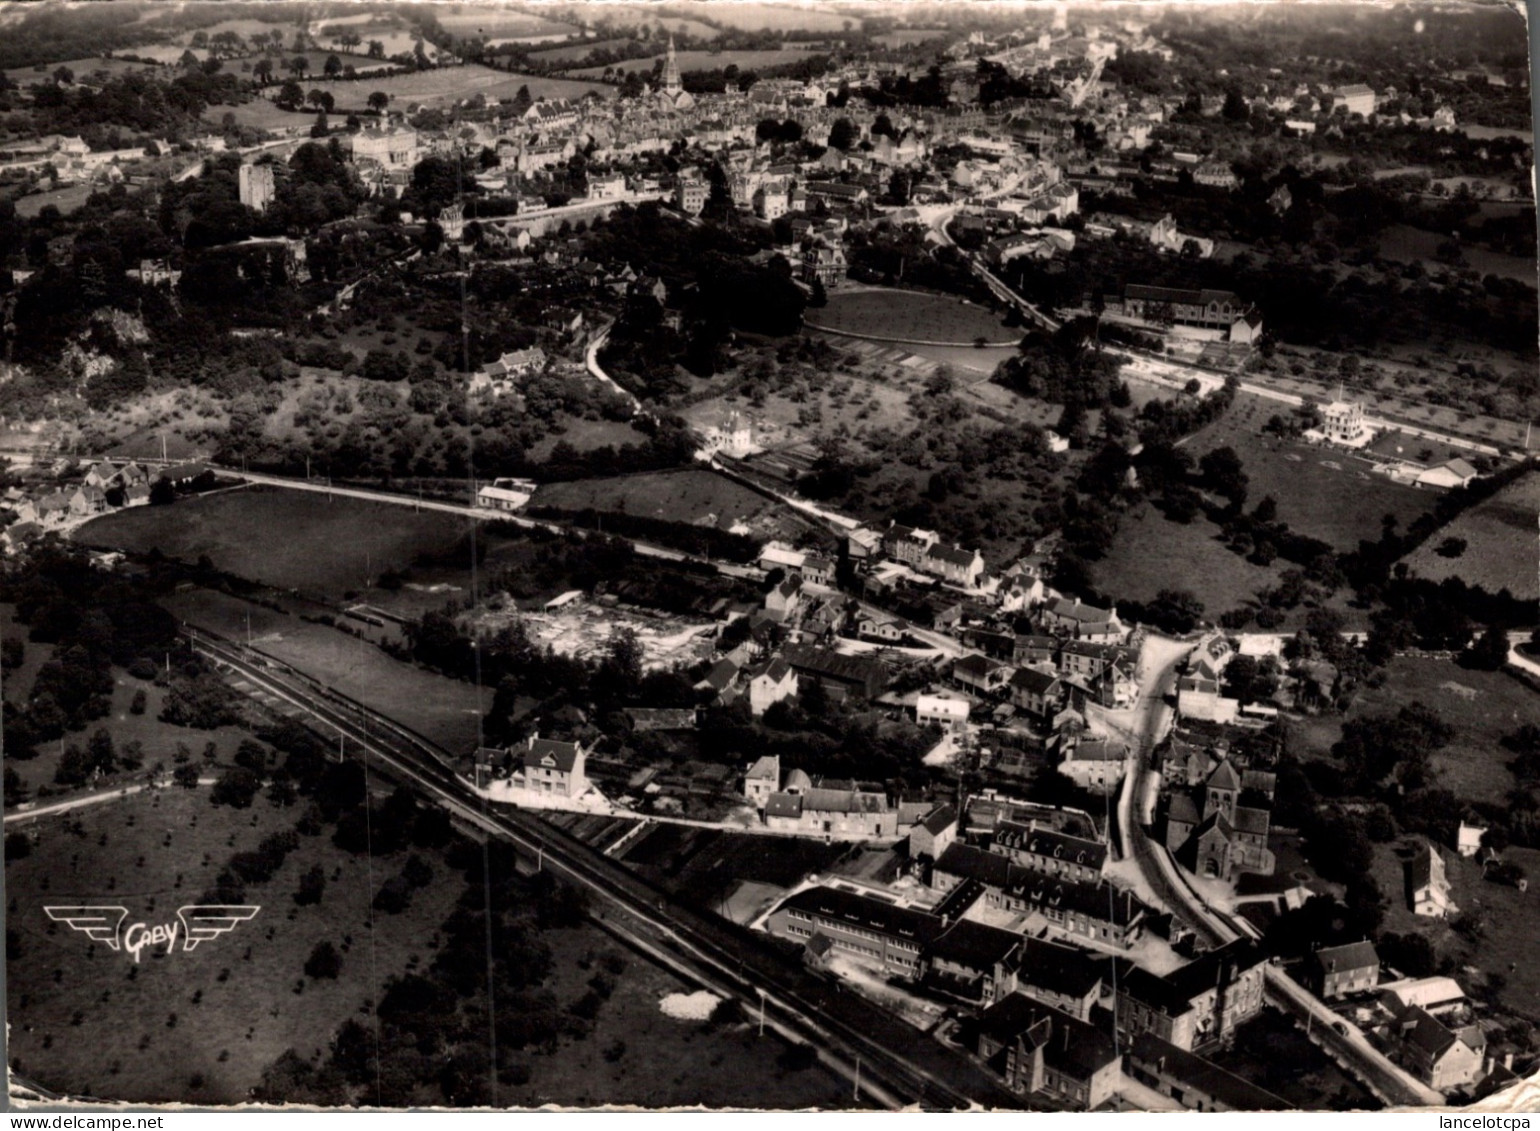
pixel 1195 1083
pixel 1037 1049
pixel 1196 1005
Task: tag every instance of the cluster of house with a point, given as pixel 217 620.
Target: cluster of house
pixel 1026 930
pixel 105 487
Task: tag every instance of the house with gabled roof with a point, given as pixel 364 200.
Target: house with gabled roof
pixel 775 682
pixel 1073 617
pixel 1342 970
pixel 1445 1059
pixel 1428 883
pixel 1036 1048
pixel 1037 693
pixel 556 768
pixel 979 674
pixel 781 602
pixel 1199 1004
pixel 1050 851
pixel 762 779
pixel 954 564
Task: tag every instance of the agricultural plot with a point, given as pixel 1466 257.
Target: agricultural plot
pixel 1321 492
pixel 448 85
pixel 288 539
pixel 1499 534
pixel 442 709
pixel 770 17
pixel 83 69
pixel 193 1026
pixel 1481 706
pixel 476 19
pixel 706 61
pixel 909 316
pixel 695 496
pixel 576 52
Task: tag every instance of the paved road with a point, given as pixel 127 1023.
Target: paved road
pixel 32 811
pixel 1347 1045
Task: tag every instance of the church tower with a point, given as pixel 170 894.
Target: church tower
pixel 671 83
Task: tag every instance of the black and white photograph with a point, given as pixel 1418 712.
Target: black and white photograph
pixel 768 556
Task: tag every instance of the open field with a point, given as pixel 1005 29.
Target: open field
pixel 260 114
pixel 1322 492
pixel 770 17
pixel 663 1061
pixel 1509 918
pixel 911 315
pixel 449 85
pixel 1415 245
pixel 473 19
pixel 149 1039
pixel 66 200
pixel 909 36
pixel 1499 533
pixel 706 61
pixel 586 435
pixel 576 52
pixel 1152 553
pixel 442 709
pixel 287 539
pixel 1481 706
pixel 692 495
pixel 83 69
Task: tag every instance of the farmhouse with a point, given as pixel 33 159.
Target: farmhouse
pixel 1036 692
pixel 1442 1058
pixel 762 779
pixel 954 564
pixel 980 674
pixel 831 808
pixel 1074 618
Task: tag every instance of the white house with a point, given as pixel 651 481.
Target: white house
pixel 949 714
pixel 777 682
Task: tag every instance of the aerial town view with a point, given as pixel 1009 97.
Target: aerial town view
pixel 860 555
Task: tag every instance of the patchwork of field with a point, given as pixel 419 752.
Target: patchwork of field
pixel 476 19
pixel 82 69
pixel 1500 538
pixel 909 315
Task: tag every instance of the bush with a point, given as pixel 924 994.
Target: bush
pixel 18 846
pixel 236 787
pixel 138 704
pixel 324 962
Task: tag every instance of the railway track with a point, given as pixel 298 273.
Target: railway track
pixel 893 1063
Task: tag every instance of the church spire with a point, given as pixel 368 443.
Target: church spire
pixel 671 83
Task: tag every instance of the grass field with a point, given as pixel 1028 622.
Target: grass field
pixel 122 1048
pixel 1481 706
pixel 577 51
pixel 705 61
pixel 586 435
pixel 910 36
pixel 260 114
pixel 66 200
pixel 450 84
pixel 1499 533
pixel 83 68
pixel 1152 553
pixel 1510 919
pixel 1407 244
pixel 1321 492
pixel 443 709
pixel 287 539
pixel 473 19
pixel 694 496
pixel 910 315
pixel 771 17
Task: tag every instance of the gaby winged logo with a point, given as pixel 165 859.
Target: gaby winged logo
pixel 197 923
